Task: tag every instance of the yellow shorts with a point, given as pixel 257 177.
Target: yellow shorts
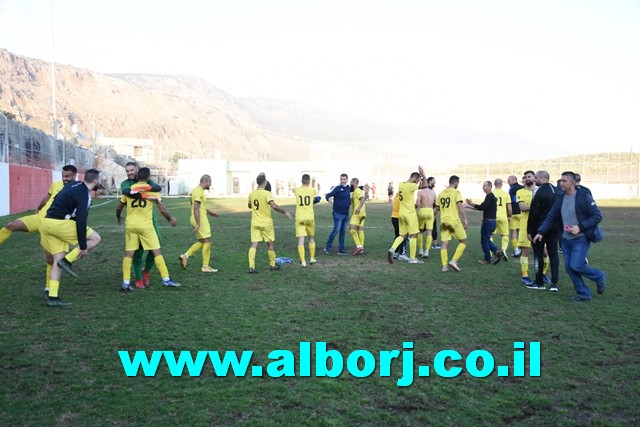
pixel 263 233
pixel 514 224
pixel 452 228
pixel 425 219
pixel 145 236
pixel 44 244
pixel 523 242
pixel 408 224
pixel 32 222
pixel 204 232
pixel 357 220
pixel 502 227
pixel 58 234
pixel 305 227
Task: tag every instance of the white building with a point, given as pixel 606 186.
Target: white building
pixel 140 149
pixel 230 178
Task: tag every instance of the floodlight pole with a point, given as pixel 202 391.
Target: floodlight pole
pixel 53 88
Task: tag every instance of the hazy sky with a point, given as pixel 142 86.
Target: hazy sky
pixel 557 73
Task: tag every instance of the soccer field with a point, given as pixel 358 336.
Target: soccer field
pixel 62 367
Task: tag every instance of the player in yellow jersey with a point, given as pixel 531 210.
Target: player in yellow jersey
pixel 261 202
pixel 514 221
pixel 305 219
pixel 449 205
pixel 424 202
pixel 141 268
pixel 408 217
pixel 523 198
pixel 503 214
pixel 358 215
pixel 201 227
pixel 400 253
pixel 139 230
pixel 33 223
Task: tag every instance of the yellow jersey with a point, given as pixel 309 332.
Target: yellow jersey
pixel 139 212
pixel 356 196
pixel 502 200
pixel 197 195
pixel 53 191
pixel 447 201
pixel 304 202
pixel 524 195
pixel 406 192
pixel 260 209
pixel 395 211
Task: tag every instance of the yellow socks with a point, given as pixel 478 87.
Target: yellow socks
pixel 444 257
pixel 397 242
pixel 505 243
pixel 312 249
pixel 73 255
pixel 206 253
pixel 54 285
pixel 252 257
pixel 545 266
pixel 356 238
pixel 4 234
pixel 361 237
pixel 126 269
pixel 272 258
pixel 194 248
pixel 459 251
pixel 301 252
pixel 514 244
pixel 49 267
pixel 524 265
pixel 162 267
pixel 413 244
pixel 429 242
pixel 420 241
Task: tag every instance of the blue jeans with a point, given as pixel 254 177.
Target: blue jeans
pixel 340 224
pixel 487 228
pixel 575 252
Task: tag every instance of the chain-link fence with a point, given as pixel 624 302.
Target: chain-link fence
pixel 616 175
pixel 22 145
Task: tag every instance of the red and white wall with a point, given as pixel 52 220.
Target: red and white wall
pixel 23 187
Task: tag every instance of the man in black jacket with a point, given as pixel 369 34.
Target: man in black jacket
pixel 488 207
pixel 66 224
pixel 541 204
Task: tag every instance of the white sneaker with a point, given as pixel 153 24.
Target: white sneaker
pixel 421 252
pixel 403 258
pixel 415 261
pixel 425 254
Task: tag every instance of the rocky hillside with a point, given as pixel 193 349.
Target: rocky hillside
pixel 179 112
pixel 191 117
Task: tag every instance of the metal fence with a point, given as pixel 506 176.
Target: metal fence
pixel 22 145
